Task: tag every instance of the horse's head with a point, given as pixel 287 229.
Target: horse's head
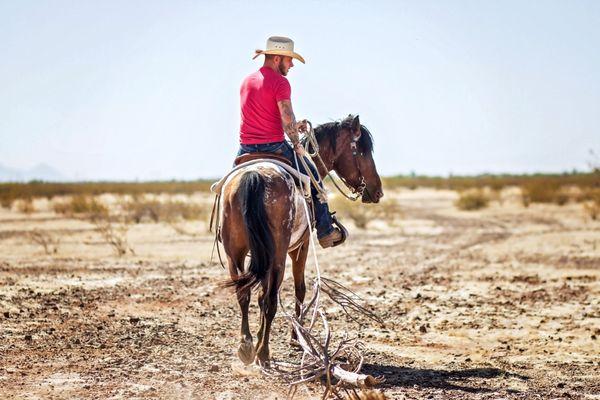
pixel 351 157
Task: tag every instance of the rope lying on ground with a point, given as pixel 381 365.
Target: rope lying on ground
pixel 318 360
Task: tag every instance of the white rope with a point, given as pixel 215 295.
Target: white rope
pixel 314 250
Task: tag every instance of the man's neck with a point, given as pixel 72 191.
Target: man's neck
pixel 271 65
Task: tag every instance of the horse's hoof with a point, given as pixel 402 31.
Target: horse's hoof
pixel 263 359
pixel 246 352
pixel 266 363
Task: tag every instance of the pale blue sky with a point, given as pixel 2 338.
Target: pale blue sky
pixel 149 89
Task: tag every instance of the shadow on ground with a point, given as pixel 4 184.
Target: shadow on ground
pixel 439 379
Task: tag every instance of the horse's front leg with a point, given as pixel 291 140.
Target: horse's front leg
pixel 298 257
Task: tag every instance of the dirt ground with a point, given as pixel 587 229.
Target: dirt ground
pixel 498 303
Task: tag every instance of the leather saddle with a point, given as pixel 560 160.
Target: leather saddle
pixel 272 156
pixel 254 156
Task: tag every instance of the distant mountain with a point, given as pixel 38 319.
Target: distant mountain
pixel 42 172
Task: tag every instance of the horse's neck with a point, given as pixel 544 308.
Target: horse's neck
pixel 327 156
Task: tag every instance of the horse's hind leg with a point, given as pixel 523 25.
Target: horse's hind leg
pixel 246 351
pixel 270 287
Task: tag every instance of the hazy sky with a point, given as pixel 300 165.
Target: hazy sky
pixel 150 89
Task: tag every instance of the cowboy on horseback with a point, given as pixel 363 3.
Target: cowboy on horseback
pixel 266 113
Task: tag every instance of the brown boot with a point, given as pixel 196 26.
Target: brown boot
pixel 332 239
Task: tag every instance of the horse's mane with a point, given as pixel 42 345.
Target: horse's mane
pixel 331 129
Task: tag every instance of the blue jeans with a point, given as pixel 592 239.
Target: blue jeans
pixel 324 225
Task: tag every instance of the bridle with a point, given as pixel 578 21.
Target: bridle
pixel 356 192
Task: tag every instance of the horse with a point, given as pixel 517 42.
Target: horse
pixel 262 213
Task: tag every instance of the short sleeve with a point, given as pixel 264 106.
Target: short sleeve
pixel 283 90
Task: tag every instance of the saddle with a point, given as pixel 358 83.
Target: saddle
pixel 255 156
pixel 247 159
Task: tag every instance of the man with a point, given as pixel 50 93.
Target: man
pixel 266 113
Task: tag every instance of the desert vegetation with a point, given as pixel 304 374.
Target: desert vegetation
pixel 118 295
pixel 487 286
pixel 387 211
pixel 538 188
pixel 9 192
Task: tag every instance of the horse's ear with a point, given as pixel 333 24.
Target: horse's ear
pixel 356 127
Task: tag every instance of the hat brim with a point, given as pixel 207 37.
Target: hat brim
pixel 280 53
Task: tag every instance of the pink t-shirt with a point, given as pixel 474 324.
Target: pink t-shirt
pixel 259 94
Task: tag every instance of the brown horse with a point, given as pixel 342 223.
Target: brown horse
pixel 263 214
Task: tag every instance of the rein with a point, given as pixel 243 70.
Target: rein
pixel 311 140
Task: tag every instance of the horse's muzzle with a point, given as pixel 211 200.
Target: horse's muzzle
pixel 372 196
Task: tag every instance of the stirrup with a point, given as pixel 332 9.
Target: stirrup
pixel 341 227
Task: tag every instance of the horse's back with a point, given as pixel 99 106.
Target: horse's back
pixel 282 199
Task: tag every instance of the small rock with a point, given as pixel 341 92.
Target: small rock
pixel 423 329
pixel 28 338
pixel 6 314
pixel 134 320
pixel 561 385
pixel 213 368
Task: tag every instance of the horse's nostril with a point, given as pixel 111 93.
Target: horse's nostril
pixel 379 194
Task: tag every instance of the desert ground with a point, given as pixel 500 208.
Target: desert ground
pixel 502 302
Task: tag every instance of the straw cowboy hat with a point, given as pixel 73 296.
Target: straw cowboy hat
pixel 280 46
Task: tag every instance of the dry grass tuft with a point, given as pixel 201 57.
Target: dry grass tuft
pixel 44 239
pixel 388 210
pixel 591 205
pixel 139 210
pixel 26 205
pixel 472 199
pixel 115 235
pixel 6 202
pixel 81 204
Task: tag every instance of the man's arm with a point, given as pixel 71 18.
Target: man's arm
pixel 288 120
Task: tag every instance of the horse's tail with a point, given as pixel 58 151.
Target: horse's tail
pixel 262 248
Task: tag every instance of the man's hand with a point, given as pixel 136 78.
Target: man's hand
pixel 299 149
pixel 302 126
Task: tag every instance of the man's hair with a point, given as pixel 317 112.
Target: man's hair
pixel 270 56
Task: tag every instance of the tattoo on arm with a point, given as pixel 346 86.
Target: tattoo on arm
pixel 288 120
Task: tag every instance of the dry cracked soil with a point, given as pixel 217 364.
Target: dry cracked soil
pixel 492 304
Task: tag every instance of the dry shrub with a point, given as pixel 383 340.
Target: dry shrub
pixel 46 240
pixel 81 204
pixel 352 210
pixel 387 209
pixel 115 235
pixel 544 191
pixel 26 206
pixel 6 202
pixel 51 189
pixel 591 206
pixel 473 199
pixel 139 210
